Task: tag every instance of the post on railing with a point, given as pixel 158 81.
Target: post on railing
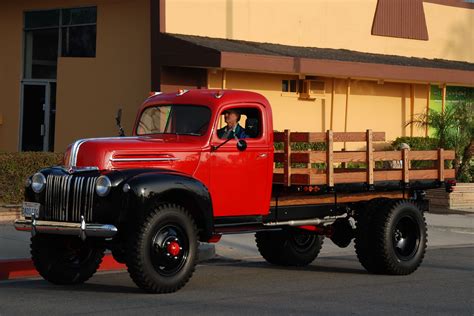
pixel 441 164
pixel 406 166
pixel 329 160
pixel 370 159
pixel 287 160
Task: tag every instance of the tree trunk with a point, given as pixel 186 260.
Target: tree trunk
pixel 465 164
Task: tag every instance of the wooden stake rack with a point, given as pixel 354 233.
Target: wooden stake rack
pixel 331 176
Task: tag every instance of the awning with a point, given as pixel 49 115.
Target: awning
pixel 196 51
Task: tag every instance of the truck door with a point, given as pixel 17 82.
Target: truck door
pixel 241 180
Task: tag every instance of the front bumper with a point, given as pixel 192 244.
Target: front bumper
pixel 82 229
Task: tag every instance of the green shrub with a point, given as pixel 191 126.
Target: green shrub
pixel 416 143
pixel 16 167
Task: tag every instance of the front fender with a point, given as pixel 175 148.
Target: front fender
pixel 152 188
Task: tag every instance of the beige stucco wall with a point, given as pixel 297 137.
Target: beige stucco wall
pixel 322 23
pixel 89 90
pixel 381 107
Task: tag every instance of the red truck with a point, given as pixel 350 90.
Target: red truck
pixel 151 198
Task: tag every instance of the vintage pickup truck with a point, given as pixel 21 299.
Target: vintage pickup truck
pixel 152 197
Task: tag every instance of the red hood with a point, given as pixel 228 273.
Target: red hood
pixel 175 152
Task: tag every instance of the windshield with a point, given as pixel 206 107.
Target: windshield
pixel 174 119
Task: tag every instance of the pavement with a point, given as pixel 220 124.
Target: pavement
pixel 236 281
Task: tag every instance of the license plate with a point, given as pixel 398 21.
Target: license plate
pixel 31 208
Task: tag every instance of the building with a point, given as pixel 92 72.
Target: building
pixel 67 66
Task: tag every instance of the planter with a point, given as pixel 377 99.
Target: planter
pixel 462 198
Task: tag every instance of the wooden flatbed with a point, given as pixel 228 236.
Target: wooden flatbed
pixel 293 169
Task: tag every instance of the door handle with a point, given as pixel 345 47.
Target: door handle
pixel 262 156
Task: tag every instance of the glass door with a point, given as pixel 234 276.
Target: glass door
pixel 38 116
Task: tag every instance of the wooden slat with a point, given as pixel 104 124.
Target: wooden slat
pixel 329 159
pixel 387 155
pixel 360 156
pixel 388 175
pixel 406 166
pixel 315 177
pixel 350 156
pixel 357 136
pixel 278 137
pixel 329 198
pixel 287 158
pixel 370 158
pixel 441 164
pixel 278 157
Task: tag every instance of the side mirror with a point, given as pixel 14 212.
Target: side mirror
pixel 241 145
pixel 118 121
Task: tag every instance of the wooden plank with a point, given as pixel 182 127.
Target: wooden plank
pixel 388 175
pixel 350 156
pixel 424 155
pixel 406 166
pixel 441 164
pixel 287 158
pixel 278 137
pixel 278 157
pixel 329 159
pixel 357 136
pixel 318 137
pixel 315 177
pixel 387 155
pixel 329 198
pixel 370 158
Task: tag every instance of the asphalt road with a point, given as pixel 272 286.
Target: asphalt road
pixel 335 285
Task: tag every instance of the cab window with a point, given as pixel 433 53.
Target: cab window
pixel 240 123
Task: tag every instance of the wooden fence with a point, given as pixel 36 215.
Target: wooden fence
pixel 330 176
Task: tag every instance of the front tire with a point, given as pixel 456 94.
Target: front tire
pixel 289 247
pixel 391 238
pixel 162 254
pixel 65 259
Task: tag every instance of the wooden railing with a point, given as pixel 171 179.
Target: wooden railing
pixel 330 176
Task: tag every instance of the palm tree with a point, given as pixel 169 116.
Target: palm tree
pixel 454 129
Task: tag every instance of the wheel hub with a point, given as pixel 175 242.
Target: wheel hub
pixel 170 249
pixel 406 238
pixel 173 248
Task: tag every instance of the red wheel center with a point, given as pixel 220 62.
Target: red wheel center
pixel 173 248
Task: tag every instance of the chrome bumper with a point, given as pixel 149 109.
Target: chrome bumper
pixel 82 229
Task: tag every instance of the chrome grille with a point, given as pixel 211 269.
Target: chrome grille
pixel 69 197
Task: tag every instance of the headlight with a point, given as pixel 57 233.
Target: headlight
pixel 102 186
pixel 38 182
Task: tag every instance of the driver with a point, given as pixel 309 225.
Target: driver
pixel 233 129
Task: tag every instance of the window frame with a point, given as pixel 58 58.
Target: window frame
pixel 240 107
pixel 59 27
pixel 290 93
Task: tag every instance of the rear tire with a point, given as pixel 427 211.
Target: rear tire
pixel 391 237
pixel 162 253
pixel 65 259
pixel 289 247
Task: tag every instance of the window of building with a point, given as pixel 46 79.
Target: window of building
pixel 78 31
pixel 52 33
pixel 288 86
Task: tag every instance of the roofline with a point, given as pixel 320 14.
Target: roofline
pixel 346 69
pixel 179 52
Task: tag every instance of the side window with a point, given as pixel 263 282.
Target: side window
pixel 240 122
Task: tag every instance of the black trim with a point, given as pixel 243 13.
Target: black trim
pixel 232 221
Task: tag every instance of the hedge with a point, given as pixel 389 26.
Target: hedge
pixel 16 167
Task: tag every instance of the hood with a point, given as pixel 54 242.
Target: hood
pixel 177 152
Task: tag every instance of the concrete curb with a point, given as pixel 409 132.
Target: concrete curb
pixel 24 268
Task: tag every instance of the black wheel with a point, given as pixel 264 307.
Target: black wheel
pixel 162 254
pixel 289 247
pixel 65 259
pixel 391 238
